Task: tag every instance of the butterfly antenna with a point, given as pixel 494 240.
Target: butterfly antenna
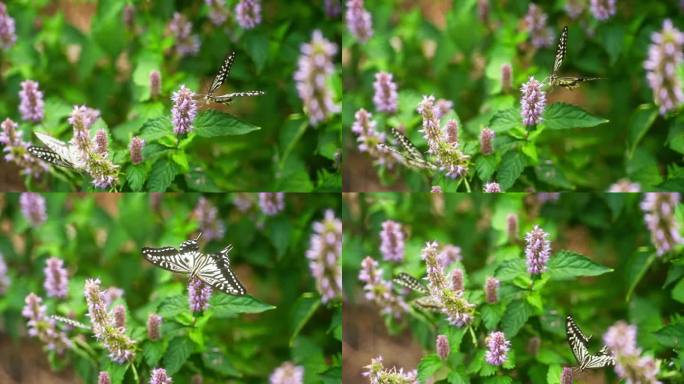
pixel 198 236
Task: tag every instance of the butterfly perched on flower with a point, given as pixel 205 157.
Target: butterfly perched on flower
pixel 57 152
pixel 220 78
pixel 213 268
pixel 578 344
pixel 569 82
pixel 426 301
pixel 407 153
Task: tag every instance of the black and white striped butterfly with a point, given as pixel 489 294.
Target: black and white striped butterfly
pixel 213 269
pixel 407 153
pixel 569 82
pixel 56 152
pixel 578 344
pixel 220 78
pixel 426 301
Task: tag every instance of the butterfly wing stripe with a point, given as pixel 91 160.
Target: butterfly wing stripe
pixel 223 73
pixel 170 259
pixel 576 340
pixel 64 150
pixel 49 156
pixel 217 273
pixel 408 281
pixel 599 361
pixel 406 145
pixel 561 50
pixel 428 303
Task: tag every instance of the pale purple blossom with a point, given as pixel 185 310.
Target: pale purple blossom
pixel 602 9
pixel 370 140
pixel 199 294
pixel 112 294
pixel 442 347
pixel 181 29
pixel 535 24
pixel 436 189
pixel 33 208
pixel 547 197
pixel 119 313
pixel 243 202
pixel 135 148
pixel 129 16
pixel 159 376
pixel 512 227
pixel 101 142
pixel 451 132
pixel 56 280
pixel 506 77
pixel 332 8
pixel 16 149
pixel 217 11
pixel 385 97
pixel 208 217
pixel 81 119
pixel 121 348
pixel 41 326
pixel 248 13
pixel 184 110
pixel 457 279
pixel 487 141
pixel 359 20
pixel 566 376
pixel 4 279
pixel 271 203
pixel 443 107
pixel 287 373
pixel 392 241
pixel 378 374
pixel 491 289
pixel 625 186
pixel 314 67
pixel 7 33
pixel 449 255
pixel 537 250
pixel 324 254
pixel 155 83
pixel 431 130
pixel 379 291
pixel 154 326
pixel 497 348
pixel 31 105
pixel 664 57
pixel 630 365
pixel 659 215
pixel 532 102
pixel 103 378
pixel 574 8
pixel 492 187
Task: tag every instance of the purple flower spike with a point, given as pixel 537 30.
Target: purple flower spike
pixel 449 255
pixel 7 34
pixel 506 77
pixel 452 132
pixel 31 105
pixel 41 326
pixel 602 9
pixel 154 326
pixel 33 208
pixel 324 254
pixel 181 29
pixel 4 279
pixel 217 11
pixel 155 84
pixel 624 186
pixel 135 149
pixel 392 241
pixel 431 130
pixel 487 141
pixel 664 57
pixel 532 102
pixel 198 295
pixel 566 376
pixel 287 373
pixel 442 347
pixel 159 376
pixel 385 97
pixel 184 110
pixel 512 227
pixel 535 24
pixel 378 374
pixel 574 8
pixel 248 13
pixel 129 16
pixel 332 8
pixel 497 348
pixel 119 312
pixel 369 139
pixel 659 215
pixel 103 378
pixel 629 364
pixel 271 203
pixel 457 280
pixel 359 20
pixel 491 290
pixel 379 290
pixel 537 250
pixel 101 142
pixel 56 281
pixel 210 225
pixel 492 187
pixel 16 149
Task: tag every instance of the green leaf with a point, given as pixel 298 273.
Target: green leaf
pixel 200 181
pixel 636 269
pixel 456 378
pixel 155 129
pixel 564 116
pixel 498 380
pixel 488 370
pixel 213 123
pixel 491 315
pixel 505 120
pixel 427 367
pixel 612 36
pixel 510 269
pixel 180 348
pixel 162 175
pixel 639 123
pixel 554 374
pixel 485 165
pixel 333 375
pixel 170 307
pixel 515 317
pixel 512 165
pixel 153 351
pixel 567 264
pixel 135 176
pixel 256 45
pixel 278 231
pixel 678 291
pixel 552 175
pixel 671 335
pixel 116 371
pixel 303 309
pixel 230 306
pixel 217 361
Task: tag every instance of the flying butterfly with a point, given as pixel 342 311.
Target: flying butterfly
pixel 220 78
pixel 56 152
pixel 425 302
pixel 212 269
pixel 578 344
pixel 407 153
pixel 569 82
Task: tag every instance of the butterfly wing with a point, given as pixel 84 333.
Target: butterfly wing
pixel 47 155
pixel 171 259
pixel 571 82
pixel 225 99
pixel 217 273
pixel 408 153
pixel 62 153
pixel 223 73
pixel 600 360
pixel 428 303
pixel 576 340
pixel 561 50
pixel 405 280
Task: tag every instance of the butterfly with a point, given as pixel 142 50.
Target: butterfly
pixel 569 82
pixel 212 269
pixel 220 78
pixel 578 344
pixel 425 302
pixel 56 152
pixel 408 154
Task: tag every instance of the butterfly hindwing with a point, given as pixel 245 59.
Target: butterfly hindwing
pixel 225 99
pixel 578 344
pixel 217 273
pixel 223 73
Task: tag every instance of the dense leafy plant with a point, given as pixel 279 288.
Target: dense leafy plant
pixel 127 60
pixel 80 258
pixel 474 80
pixel 516 264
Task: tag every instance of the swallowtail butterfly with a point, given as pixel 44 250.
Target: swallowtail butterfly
pixel 56 152
pixel 212 269
pixel 407 153
pixel 425 302
pixel 578 344
pixel 220 78
pixel 569 82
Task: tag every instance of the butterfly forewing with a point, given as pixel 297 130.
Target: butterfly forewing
pixel 561 50
pixel 60 153
pixel 47 155
pixel 222 74
pixel 408 281
pixel 171 259
pixel 217 273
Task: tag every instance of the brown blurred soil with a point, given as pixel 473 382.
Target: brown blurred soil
pixel 25 362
